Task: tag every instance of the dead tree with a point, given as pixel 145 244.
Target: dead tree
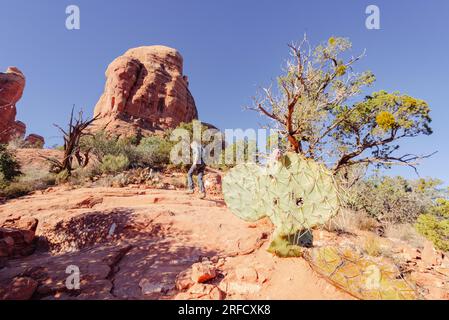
pixel 72 150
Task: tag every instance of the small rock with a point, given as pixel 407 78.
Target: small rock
pixel 184 280
pixel 203 271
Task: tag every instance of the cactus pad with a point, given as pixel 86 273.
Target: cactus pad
pixel 242 192
pixel 299 194
pixel 358 275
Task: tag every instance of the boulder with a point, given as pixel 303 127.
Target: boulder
pixel 35 140
pixel 146 91
pixel 12 84
pixel 203 271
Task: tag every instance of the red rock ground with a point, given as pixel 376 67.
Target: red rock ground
pixel 158 234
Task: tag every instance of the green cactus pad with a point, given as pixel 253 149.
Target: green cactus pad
pixel 299 194
pixel 241 191
pixel 358 275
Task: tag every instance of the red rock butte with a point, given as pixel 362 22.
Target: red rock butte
pixel 12 85
pixel 145 92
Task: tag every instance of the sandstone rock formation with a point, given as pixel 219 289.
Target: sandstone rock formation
pixel 12 84
pixel 35 140
pixel 145 92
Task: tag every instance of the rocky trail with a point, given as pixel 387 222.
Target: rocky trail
pixel 132 243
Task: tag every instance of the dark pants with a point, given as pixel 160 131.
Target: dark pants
pixel 196 169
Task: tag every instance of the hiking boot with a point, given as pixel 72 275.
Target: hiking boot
pixel 190 192
pixel 202 195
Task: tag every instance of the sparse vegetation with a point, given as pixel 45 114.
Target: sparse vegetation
pixel 434 224
pixel 9 167
pixel 392 200
pixel 114 164
pixel 314 110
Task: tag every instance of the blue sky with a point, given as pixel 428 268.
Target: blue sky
pixel 229 47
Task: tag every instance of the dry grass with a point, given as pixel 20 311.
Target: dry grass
pixel 405 232
pixel 372 246
pixel 349 221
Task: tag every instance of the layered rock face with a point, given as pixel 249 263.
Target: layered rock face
pixel 145 92
pixel 12 84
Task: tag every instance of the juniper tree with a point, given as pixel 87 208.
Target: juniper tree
pixel 313 106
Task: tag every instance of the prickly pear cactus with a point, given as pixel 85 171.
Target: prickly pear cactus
pixel 241 191
pixel 358 275
pixel 295 193
pixel 299 194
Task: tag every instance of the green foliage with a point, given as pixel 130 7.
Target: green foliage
pixel 393 200
pixel 102 144
pixel 315 106
pixel 377 123
pixel 9 167
pixel 297 194
pixel 28 182
pixel 434 224
pixel 154 151
pixel 114 164
pixel 62 177
pixel 16 190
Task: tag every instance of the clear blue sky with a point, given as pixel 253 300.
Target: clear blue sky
pixel 229 47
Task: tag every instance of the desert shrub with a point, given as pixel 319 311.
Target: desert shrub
pixel 393 200
pixel 27 183
pixel 16 190
pixel 62 177
pixel 405 232
pixel 372 246
pixel 100 144
pixel 434 224
pixel 349 221
pixel 154 151
pixel 114 164
pixel 9 166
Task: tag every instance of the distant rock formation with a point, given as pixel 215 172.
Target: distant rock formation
pixel 12 84
pixel 145 92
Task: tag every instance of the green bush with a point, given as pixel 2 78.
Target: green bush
pixel 434 224
pixel 9 167
pixel 393 200
pixel 16 190
pixel 27 184
pixel 154 151
pixel 114 164
pixel 100 145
